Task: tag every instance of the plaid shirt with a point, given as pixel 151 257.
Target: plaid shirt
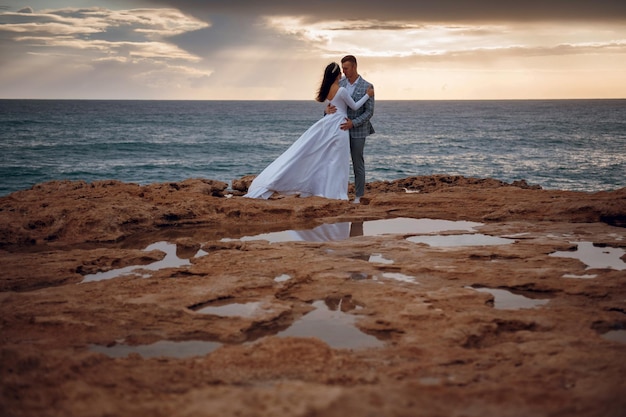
pixel 361 117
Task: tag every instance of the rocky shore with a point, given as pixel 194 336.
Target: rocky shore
pixel 437 296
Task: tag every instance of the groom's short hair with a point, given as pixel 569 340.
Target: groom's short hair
pixel 349 58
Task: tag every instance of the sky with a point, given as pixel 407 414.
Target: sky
pixel 277 49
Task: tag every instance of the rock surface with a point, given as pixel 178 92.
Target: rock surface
pixel 437 296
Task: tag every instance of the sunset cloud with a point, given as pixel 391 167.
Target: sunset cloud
pixel 274 49
pixel 476 11
pixel 102 25
pixel 78 41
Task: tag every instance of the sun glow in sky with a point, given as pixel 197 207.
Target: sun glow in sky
pixel 277 49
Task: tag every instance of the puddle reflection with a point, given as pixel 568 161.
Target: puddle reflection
pixel 184 349
pixel 247 310
pixel 378 258
pixel 171 260
pixel 579 276
pixel 403 225
pixel 282 278
pixel 461 240
pixel 615 336
pixel 345 230
pixel 595 257
pixel 399 277
pixel 330 324
pixel 506 300
pixel 201 253
pixel 322 233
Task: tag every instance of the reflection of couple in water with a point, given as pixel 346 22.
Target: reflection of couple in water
pixel 318 163
pixel 356 229
pixel 330 232
pixel 340 303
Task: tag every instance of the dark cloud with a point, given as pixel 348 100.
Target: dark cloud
pixel 415 11
pixel 228 49
pixel 224 32
pixel 85 38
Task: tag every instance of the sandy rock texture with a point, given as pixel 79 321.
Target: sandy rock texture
pixel 437 296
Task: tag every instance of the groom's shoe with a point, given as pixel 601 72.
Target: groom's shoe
pixel 356 200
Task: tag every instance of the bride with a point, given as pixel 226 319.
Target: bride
pixel 318 163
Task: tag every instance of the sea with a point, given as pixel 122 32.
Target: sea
pixel 557 144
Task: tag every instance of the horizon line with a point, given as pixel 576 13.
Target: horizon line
pixel 235 99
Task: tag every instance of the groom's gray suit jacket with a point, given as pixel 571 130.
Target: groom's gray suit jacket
pixel 361 117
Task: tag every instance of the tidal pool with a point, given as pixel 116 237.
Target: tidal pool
pixel 399 277
pixel 282 278
pixel 171 260
pixel 615 336
pixel 332 326
pixel 595 257
pixel 586 276
pixel 248 310
pixel 461 240
pixel 327 322
pixel 379 259
pixel 506 300
pixel 403 225
pixel 345 230
pixel 168 348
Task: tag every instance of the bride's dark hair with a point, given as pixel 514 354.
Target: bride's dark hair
pixel 330 75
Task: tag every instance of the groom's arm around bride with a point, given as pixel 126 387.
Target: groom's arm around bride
pixel 357 122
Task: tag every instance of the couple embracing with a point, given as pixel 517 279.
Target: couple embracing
pixel 318 163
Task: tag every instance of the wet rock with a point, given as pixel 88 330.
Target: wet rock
pixel 442 346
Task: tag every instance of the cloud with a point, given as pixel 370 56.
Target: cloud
pixel 434 30
pixel 80 41
pixel 438 11
pixel 519 51
pixel 148 23
pixel 275 49
pixel 425 41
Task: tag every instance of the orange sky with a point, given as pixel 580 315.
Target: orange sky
pixel 276 50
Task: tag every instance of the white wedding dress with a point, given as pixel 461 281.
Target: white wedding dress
pixel 318 163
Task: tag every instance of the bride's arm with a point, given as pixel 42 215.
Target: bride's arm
pixel 345 96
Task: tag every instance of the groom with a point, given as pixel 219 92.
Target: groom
pixel 357 122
